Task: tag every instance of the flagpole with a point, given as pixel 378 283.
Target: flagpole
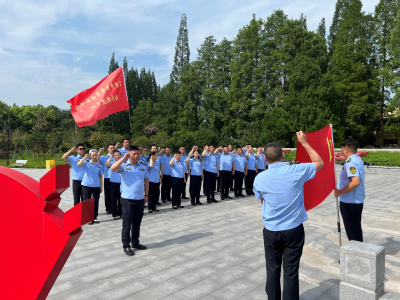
pixel 129 110
pixel 337 199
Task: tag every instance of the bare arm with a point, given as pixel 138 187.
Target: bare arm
pixel 258 154
pixel 146 190
pixel 314 156
pixel 233 168
pixel 109 161
pixel 245 169
pixel 80 163
pixel 116 167
pixel 66 155
pixel 101 183
pixel 171 163
pixel 151 163
pixel 101 150
pixel 355 182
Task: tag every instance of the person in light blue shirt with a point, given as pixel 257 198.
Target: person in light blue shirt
pixel 226 166
pixel 166 175
pixel 155 171
pixel 134 183
pixel 280 189
pixel 107 190
pixel 261 163
pixel 351 191
pixel 240 171
pixel 77 172
pixel 251 169
pixel 177 179
pixel 196 176
pixel 125 147
pixel 115 185
pixel 211 171
pixel 182 150
pixel 92 182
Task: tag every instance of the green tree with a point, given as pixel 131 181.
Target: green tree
pixel 142 116
pixel 182 51
pixel 322 28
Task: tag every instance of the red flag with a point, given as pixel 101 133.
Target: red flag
pixel 103 99
pixel 317 189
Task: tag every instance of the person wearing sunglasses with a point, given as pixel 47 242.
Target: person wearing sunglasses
pixel 77 173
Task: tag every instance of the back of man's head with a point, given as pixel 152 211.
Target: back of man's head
pixel 273 152
pixel 351 144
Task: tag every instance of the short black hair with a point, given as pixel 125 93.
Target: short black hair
pixel 273 152
pixel 111 144
pixel 211 145
pixel 116 151
pixel 167 147
pixel 178 152
pixel 250 145
pixel 126 140
pixel 182 147
pixel 225 146
pixel 153 145
pixel 351 144
pixel 79 144
pixel 134 148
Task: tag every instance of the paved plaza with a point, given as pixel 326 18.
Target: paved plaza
pixel 215 251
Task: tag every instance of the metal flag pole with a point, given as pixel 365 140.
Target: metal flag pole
pixel 129 110
pixel 337 199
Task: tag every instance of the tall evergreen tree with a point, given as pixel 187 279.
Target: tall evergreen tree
pixel 125 68
pixel 113 64
pixel 322 28
pixel 182 51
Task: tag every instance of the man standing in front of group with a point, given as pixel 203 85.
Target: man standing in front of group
pixel 77 172
pixel 351 191
pixel 166 175
pixel 280 190
pixel 134 195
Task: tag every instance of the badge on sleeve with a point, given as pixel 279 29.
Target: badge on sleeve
pixel 353 170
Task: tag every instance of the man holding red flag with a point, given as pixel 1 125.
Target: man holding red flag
pixel 280 189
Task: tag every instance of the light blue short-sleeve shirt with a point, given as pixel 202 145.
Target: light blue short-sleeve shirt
pixel 115 177
pixel 183 158
pixel 133 180
pixel 154 172
pixel 353 167
pixel 251 162
pixel 77 172
pixel 123 151
pixel 167 170
pixel 195 166
pixel 225 161
pixel 240 162
pixel 106 171
pixel 281 187
pixel 178 169
pixel 211 161
pixel 261 161
pixel 91 173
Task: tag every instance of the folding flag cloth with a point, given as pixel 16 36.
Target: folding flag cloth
pixel 103 99
pixel 317 189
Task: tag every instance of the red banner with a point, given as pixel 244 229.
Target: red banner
pixel 103 99
pixel 317 189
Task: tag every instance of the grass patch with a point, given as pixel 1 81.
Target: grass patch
pixel 32 162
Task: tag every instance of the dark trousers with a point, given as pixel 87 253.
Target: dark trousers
pixel 154 194
pixel 225 182
pixel 210 184
pixel 195 187
pixel 133 214
pixel 166 188
pixel 238 182
pixel 218 184
pixel 351 214
pixel 259 171
pixel 89 193
pixel 184 186
pixel 107 194
pixel 177 185
pixel 251 174
pixel 115 193
pixel 77 191
pixel 286 245
pixel 233 178
pixel 205 173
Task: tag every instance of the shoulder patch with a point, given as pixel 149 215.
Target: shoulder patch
pixel 353 170
pixel 349 160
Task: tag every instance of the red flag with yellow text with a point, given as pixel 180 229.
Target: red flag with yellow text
pixel 317 189
pixel 101 100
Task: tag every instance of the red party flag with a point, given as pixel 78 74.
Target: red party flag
pixel 101 100
pixel 317 189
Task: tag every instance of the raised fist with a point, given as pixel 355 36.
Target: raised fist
pixel 101 149
pixel 118 145
pixel 126 156
pixel 73 149
pixel 162 150
pixel 87 155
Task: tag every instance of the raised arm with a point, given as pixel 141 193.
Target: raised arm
pixel 67 154
pixel 161 152
pixel 116 167
pixel 109 160
pixel 101 150
pixel 171 163
pixel 314 156
pixel 151 163
pixel 204 151
pixel 80 163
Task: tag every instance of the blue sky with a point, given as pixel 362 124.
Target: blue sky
pixel 52 50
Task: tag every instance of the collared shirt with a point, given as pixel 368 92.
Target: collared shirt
pixel 225 161
pixel 167 169
pixel 353 167
pixel 261 161
pixel 114 176
pixel 281 187
pixel 144 160
pixel 240 162
pixel 133 180
pixel 245 151
pixel 123 151
pixel 183 158
pixel 211 161
pixel 195 167
pixel 91 173
pixel 77 172
pixel 251 161
pixel 178 169
pixel 106 171
pixel 154 172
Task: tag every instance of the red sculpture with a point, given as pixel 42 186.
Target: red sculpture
pixel 36 237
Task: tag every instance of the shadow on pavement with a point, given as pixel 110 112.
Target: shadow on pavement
pixel 180 240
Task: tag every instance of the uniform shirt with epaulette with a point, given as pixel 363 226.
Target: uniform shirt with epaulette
pixel 165 160
pixel 154 172
pixel 92 171
pixel 251 161
pixel 77 172
pixel 261 161
pixel 132 180
pixel 178 169
pixel 210 162
pixel 240 162
pixel 106 171
pixel 225 161
pixel 353 167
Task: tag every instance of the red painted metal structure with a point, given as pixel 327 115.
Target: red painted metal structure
pixel 36 237
pixel 339 156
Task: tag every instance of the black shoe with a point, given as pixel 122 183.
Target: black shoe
pixel 170 200
pixel 150 211
pixel 163 201
pixel 185 198
pixel 236 195
pixel 199 203
pixel 96 221
pixel 139 246
pixel 252 193
pixel 241 195
pixel 108 212
pixel 158 203
pixel 229 197
pixel 218 191
pixel 193 204
pixel 180 206
pixel 91 223
pixel 215 201
pixel 231 189
pixel 129 251
pixel 174 207
pixel 156 209
pixel 222 198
